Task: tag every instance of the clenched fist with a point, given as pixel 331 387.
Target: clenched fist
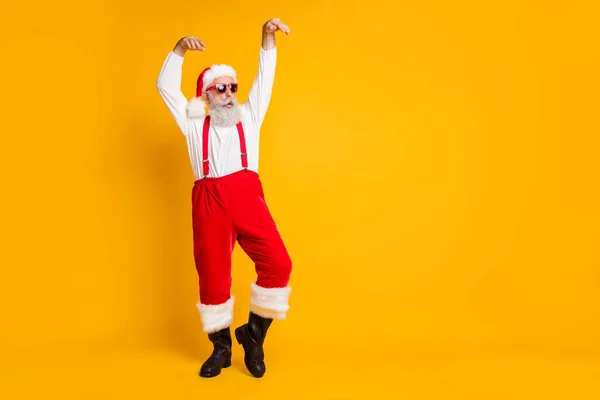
pixel 274 24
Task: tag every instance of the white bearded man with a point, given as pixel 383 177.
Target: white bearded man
pixel 228 202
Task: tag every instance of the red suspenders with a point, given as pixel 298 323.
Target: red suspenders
pixel 205 145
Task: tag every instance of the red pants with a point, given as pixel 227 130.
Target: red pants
pixel 229 209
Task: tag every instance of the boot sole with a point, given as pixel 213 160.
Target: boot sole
pixel 238 335
pixel 226 365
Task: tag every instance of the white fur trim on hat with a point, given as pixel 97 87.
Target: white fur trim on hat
pixel 217 71
pixel 270 302
pixel 216 317
pixel 196 108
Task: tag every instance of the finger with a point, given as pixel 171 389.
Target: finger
pixel 283 27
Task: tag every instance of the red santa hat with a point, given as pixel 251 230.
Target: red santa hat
pixel 196 106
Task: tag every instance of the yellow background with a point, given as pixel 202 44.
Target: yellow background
pixel 432 166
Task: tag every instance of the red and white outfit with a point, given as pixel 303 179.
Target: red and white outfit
pixel 228 203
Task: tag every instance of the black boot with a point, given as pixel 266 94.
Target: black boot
pixel 252 336
pixel 221 355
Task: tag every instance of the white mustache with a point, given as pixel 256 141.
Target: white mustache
pixel 225 103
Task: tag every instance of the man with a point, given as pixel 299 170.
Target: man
pixel 228 203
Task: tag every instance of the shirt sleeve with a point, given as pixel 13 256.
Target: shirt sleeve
pixel 169 88
pixel 260 93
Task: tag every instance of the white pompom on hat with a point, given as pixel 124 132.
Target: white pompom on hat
pixel 197 107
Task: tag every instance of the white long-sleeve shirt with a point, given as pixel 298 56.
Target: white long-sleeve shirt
pixel 223 142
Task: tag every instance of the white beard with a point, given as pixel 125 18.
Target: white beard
pixel 220 115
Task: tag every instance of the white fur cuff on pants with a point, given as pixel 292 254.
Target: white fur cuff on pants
pixel 216 317
pixel 270 302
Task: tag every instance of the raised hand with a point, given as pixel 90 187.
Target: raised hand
pixel 274 24
pixel 189 43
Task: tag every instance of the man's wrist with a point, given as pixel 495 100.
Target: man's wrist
pixel 180 51
pixel 268 40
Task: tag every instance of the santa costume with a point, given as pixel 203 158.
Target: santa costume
pixel 228 206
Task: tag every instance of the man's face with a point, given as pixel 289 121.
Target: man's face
pixel 218 97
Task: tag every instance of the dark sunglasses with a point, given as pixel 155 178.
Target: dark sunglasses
pixel 222 87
